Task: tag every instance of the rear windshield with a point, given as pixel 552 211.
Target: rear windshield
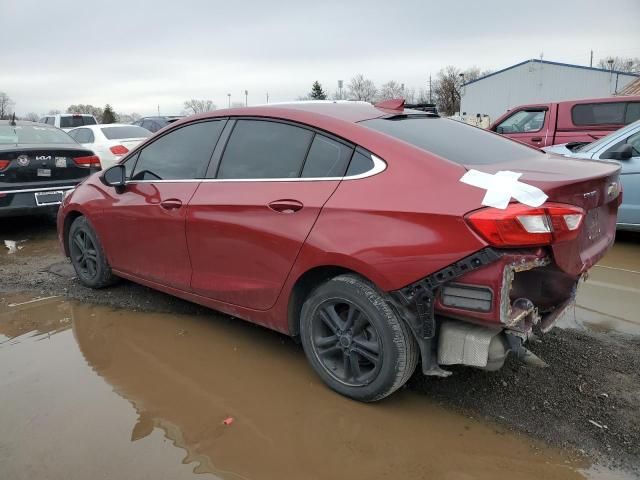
pixel 127 131
pixel 453 140
pixel 32 135
pixel 73 121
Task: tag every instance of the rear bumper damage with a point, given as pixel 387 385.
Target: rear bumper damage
pixel 476 311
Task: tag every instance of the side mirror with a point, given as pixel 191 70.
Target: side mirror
pixel 116 177
pixel 623 152
pixel 500 130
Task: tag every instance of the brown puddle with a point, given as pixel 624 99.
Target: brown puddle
pixel 609 300
pixel 176 378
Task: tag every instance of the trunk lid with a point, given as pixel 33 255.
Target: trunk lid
pixel 592 185
pixel 42 165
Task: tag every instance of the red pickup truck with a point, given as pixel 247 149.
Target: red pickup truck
pixel 544 124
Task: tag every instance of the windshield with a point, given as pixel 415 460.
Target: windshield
pixel 606 139
pixel 32 135
pixel 127 131
pixel 455 141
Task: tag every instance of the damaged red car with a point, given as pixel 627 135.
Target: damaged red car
pixel 356 228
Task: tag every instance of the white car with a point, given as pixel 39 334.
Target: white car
pixel 67 121
pixel 623 147
pixel 110 141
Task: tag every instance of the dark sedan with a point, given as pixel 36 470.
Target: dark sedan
pixel 153 124
pixel 38 164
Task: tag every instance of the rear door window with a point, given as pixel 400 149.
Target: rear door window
pixel 523 121
pixel 264 149
pixel 180 154
pixel 599 113
pixel 455 141
pixel 326 158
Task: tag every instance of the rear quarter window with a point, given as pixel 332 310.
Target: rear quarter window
pixel 599 113
pixel 455 141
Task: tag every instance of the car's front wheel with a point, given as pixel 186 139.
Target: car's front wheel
pixel 87 256
pixel 355 341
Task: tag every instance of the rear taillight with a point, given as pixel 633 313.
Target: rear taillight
pixel 519 225
pixel 119 149
pixel 89 161
pixel 4 164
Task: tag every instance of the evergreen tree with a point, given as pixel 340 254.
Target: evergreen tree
pixel 108 115
pixel 316 92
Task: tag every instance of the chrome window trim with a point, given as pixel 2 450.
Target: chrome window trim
pixel 31 190
pixel 379 166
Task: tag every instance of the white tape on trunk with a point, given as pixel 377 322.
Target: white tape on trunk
pixel 502 187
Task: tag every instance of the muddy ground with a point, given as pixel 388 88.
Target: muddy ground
pixel 587 401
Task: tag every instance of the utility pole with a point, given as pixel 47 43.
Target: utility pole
pixel 430 89
pixel 340 83
pixel 591 59
pixel 267 97
pixel 158 109
pixel 246 98
pixel 229 102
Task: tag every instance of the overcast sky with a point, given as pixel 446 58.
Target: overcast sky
pixel 137 55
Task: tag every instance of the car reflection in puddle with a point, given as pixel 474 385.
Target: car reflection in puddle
pixel 177 378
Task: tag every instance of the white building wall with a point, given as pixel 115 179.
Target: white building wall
pixel 535 82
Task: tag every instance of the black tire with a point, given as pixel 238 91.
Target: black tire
pixel 366 362
pixel 87 256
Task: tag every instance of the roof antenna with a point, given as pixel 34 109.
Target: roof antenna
pixel 13 120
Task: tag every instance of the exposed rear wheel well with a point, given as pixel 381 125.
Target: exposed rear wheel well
pixel 67 225
pixel 304 286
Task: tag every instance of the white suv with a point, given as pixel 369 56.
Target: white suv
pixel 67 121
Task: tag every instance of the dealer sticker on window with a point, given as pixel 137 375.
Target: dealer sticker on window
pixel 44 172
pixel 61 162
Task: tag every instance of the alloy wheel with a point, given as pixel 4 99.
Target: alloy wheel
pixel 346 342
pixel 84 254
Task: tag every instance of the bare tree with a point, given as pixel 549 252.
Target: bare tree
pixel 620 64
pixel 361 88
pixel 195 106
pixel 32 117
pixel 423 96
pixel 88 109
pixel 53 112
pixel 447 90
pixel 391 89
pixel 6 106
pixel 409 95
pixel 129 117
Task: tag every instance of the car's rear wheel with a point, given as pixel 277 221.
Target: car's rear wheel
pixel 87 255
pixel 355 341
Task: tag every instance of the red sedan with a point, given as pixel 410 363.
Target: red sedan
pixel 378 235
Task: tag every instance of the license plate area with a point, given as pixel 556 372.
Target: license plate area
pixel 49 198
